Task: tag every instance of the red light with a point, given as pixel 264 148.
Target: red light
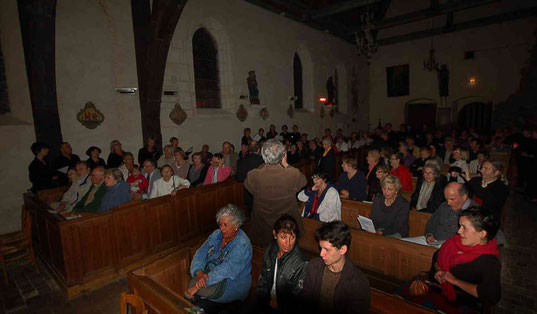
pixel 322 99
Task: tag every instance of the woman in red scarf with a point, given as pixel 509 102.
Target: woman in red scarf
pixel 469 261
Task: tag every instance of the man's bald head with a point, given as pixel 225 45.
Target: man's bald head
pixel 456 195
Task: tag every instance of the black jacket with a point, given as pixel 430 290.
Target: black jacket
pixel 290 276
pixel 327 164
pixel 437 196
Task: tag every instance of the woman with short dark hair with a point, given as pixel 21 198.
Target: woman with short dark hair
pixel 40 173
pixel 467 264
pixel 149 151
pixel 322 199
pixel 94 159
pixel 283 269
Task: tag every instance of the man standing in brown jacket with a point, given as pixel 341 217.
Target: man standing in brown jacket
pixel 274 186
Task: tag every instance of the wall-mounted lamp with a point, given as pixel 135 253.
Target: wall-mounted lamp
pixel 170 93
pixel 322 100
pixel 127 90
pixel 472 81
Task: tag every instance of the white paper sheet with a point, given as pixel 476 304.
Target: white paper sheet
pixel 366 224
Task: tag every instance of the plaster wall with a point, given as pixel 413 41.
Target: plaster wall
pixel 16 128
pixel 500 52
pixel 251 38
pixel 95 55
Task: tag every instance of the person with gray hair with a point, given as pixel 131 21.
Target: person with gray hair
pixel 117 190
pixel 221 267
pixel 273 152
pixel 274 186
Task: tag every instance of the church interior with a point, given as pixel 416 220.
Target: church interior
pixel 89 72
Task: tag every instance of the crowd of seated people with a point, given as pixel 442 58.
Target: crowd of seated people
pixel 265 164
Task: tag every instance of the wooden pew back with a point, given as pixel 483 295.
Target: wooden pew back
pixel 351 209
pixel 390 257
pixel 87 252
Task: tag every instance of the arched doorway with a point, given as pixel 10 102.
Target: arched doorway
pixel 476 115
pixel 419 112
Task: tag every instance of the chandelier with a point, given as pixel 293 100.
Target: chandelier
pixel 431 64
pixel 364 38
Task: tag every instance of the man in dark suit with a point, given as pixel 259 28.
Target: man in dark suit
pixel 244 165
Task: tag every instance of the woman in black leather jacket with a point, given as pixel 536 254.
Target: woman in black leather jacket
pixel 284 257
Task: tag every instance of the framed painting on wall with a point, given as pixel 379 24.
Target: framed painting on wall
pixel 397 79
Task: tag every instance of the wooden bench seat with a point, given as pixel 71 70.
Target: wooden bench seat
pixel 162 283
pixel 351 209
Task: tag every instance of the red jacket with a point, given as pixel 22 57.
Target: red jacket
pixel 404 175
pixel 223 174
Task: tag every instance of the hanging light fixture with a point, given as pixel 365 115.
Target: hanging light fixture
pixel 431 64
pixel 364 38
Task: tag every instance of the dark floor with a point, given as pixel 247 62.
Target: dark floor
pixel 28 293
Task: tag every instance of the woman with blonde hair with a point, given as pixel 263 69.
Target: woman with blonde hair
pixel 390 210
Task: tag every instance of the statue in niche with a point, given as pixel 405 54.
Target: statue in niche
pixel 331 90
pixel 443 83
pixel 354 91
pixel 252 88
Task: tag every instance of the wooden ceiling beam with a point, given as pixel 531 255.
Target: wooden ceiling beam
pixel 433 11
pixel 329 10
pixel 494 19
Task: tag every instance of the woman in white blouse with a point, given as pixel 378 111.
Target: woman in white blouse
pixel 322 200
pixel 168 183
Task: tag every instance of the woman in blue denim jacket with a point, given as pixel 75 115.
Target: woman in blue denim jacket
pixel 221 266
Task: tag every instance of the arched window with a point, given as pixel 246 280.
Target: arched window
pixel 336 92
pixel 297 78
pixel 206 76
pixel 4 103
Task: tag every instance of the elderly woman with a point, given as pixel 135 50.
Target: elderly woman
pixel 327 163
pixel 149 151
pixel 166 158
pixel 429 193
pixel 322 199
pixel 180 165
pixel 390 210
pixel 376 189
pixel 115 158
pixel 168 183
pixel 221 267
pixel 467 265
pixel 197 171
pixel 128 164
pixel 117 190
pixel 94 159
pixel 41 174
pixel 282 271
pixel 351 183
pixel 401 171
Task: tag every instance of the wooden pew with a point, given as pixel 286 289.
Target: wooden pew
pixel 386 256
pixel 351 209
pixel 162 283
pixel 88 252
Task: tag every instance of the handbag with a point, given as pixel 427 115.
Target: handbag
pixel 210 292
pixel 420 285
